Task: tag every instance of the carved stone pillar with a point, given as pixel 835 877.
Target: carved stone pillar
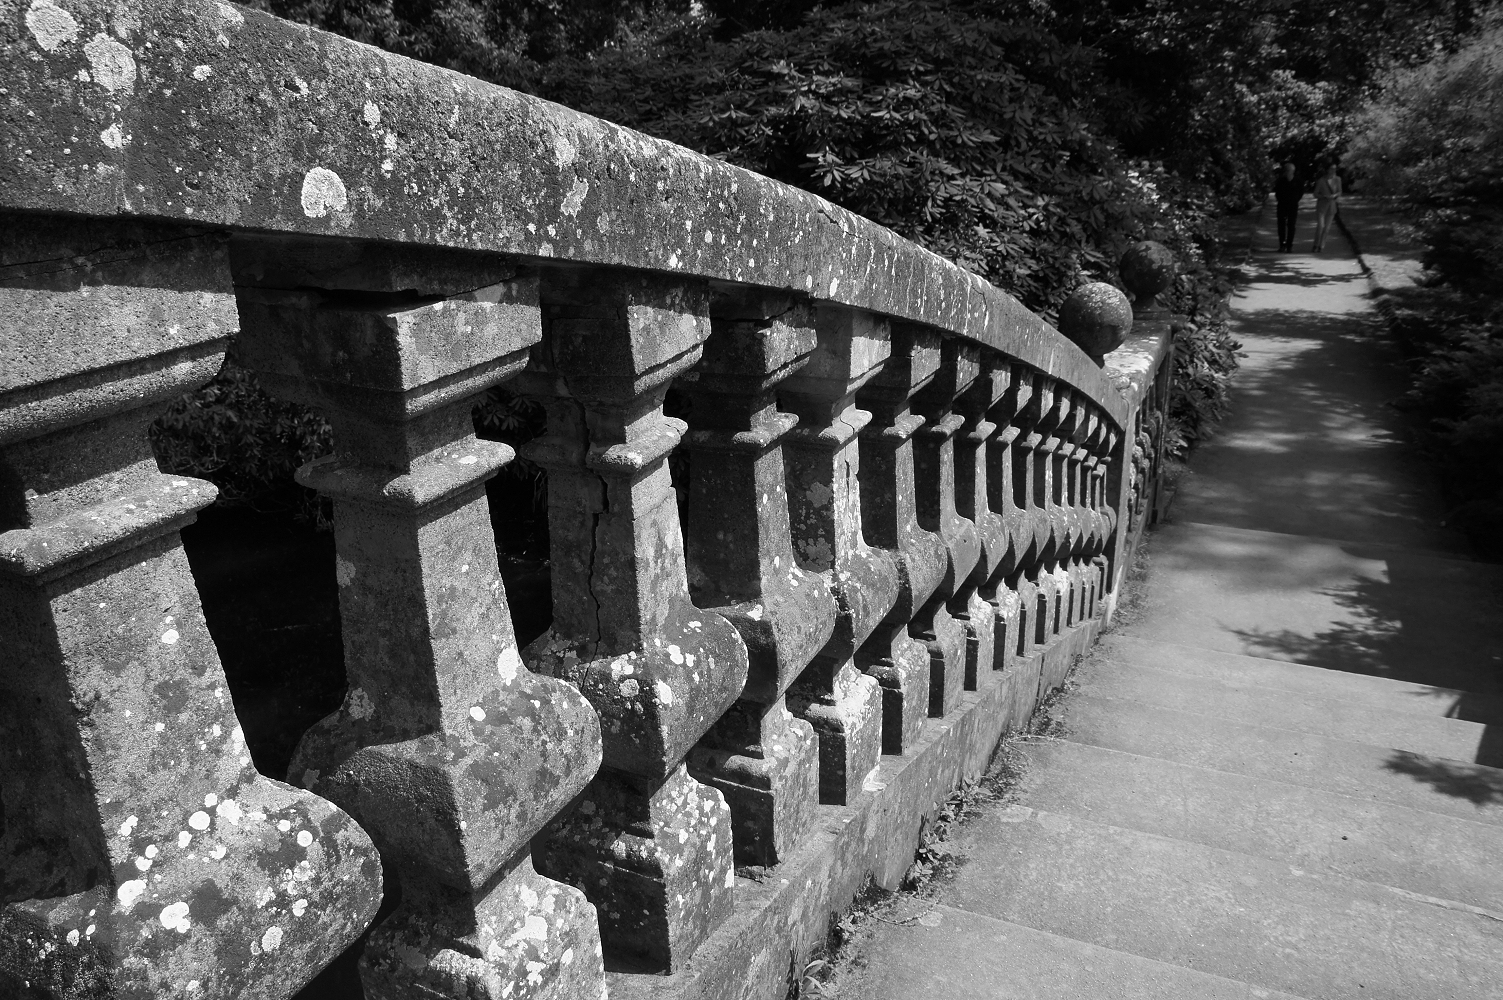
pixel 889 518
pixel 1053 582
pixel 650 846
pixel 843 704
pixel 1008 489
pixel 446 748
pixel 986 648
pixel 741 566
pixel 141 854
pixel 1069 521
pixel 955 598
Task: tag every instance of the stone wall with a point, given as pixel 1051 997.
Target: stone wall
pixel 911 504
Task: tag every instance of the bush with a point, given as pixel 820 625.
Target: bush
pixel 1431 142
pixel 248 444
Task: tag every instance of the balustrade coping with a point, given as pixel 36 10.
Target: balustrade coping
pixel 212 115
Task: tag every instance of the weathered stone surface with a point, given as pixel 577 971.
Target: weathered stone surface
pixel 952 665
pixel 446 748
pixel 824 496
pixel 658 670
pixel 141 854
pixel 211 114
pixel 741 566
pixel 1097 317
pixel 781 919
pixel 898 654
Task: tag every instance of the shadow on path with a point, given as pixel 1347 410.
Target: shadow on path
pixel 1357 571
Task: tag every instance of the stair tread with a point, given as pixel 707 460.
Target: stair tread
pixel 1302 678
pixel 1360 770
pixel 1312 829
pixel 1433 735
pixel 1266 923
pixel 1355 606
pixel 956 954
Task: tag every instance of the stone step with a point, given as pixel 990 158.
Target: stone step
pixel 1312 829
pixel 1360 770
pixel 1265 923
pixel 1353 606
pixel 1434 736
pixel 950 954
pixel 1299 678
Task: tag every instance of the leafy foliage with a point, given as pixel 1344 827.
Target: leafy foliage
pixel 1432 142
pixel 243 441
pixel 969 132
pixel 503 41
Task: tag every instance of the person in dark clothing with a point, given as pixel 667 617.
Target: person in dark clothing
pixel 1288 190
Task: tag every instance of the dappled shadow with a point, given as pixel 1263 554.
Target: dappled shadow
pixel 1478 785
pixel 1290 270
pixel 1312 445
pixel 1314 451
pixel 1431 623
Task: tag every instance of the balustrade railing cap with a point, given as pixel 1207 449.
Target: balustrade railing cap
pixel 207 113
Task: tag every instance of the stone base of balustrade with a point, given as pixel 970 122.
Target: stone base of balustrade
pixel 536 938
pixel 772 797
pixel 849 728
pixel 902 672
pixel 656 896
pixel 782 917
pixel 944 636
pixel 980 624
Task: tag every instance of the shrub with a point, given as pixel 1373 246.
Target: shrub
pixel 1431 142
pixel 248 444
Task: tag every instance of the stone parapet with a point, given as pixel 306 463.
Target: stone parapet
pixel 907 505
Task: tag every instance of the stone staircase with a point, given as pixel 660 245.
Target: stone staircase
pixel 1273 778
pixel 1216 825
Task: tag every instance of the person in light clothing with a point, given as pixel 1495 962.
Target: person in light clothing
pixel 1327 195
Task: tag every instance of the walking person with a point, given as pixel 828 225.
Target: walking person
pixel 1327 194
pixel 1287 191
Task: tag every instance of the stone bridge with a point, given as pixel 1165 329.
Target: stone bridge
pixel 911 505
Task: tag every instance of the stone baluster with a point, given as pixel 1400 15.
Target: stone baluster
pixel 1087 438
pixel 650 846
pixel 843 704
pixel 1095 487
pixel 986 648
pixel 1070 518
pixel 953 648
pixel 449 751
pixel 889 518
pixel 1008 489
pixel 1047 409
pixel 741 566
pixel 141 854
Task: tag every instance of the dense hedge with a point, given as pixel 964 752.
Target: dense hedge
pixel 1431 141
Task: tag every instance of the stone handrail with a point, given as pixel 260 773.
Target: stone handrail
pixel 911 505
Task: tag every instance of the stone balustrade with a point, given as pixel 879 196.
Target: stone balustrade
pixel 910 506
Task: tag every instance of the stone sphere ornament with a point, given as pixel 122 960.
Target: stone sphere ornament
pixel 1147 269
pixel 1097 317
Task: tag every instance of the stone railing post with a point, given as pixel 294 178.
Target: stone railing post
pixel 1010 492
pixel 741 566
pixel 446 748
pixel 986 648
pixel 1069 521
pixel 955 599
pixel 889 517
pixel 843 704
pixel 141 854
pixel 1032 466
pixel 649 845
